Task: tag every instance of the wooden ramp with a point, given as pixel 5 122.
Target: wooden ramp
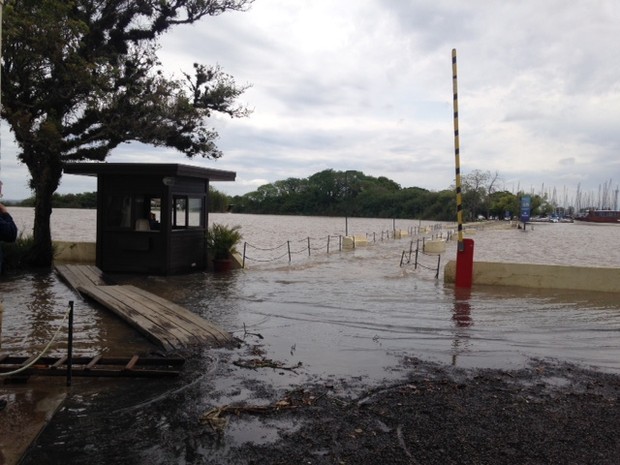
pixel 77 276
pixel 163 322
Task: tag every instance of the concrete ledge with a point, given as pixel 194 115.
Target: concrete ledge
pixel 27 413
pixel 75 252
pixel 541 276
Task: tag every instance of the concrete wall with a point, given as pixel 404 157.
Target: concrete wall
pixel 541 276
pixel 86 253
pixel 75 252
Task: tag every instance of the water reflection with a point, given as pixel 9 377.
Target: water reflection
pixel 462 307
pixel 462 321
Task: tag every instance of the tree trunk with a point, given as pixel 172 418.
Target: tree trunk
pixel 42 253
pixel 45 180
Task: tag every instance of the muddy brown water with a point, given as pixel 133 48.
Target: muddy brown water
pixel 346 315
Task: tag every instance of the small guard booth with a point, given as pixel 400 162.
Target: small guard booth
pixel 151 218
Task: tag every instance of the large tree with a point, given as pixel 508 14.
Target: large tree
pixel 80 77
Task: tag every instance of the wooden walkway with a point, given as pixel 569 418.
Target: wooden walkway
pixel 98 366
pixel 167 324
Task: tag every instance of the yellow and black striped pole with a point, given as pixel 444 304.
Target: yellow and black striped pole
pixel 457 157
pixel 465 251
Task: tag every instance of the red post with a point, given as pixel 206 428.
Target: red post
pixel 465 264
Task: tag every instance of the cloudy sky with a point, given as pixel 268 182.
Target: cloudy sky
pixel 367 85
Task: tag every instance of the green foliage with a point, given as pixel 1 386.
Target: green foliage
pixel 84 200
pixel 217 201
pixel 352 193
pixel 222 240
pixel 17 255
pixel 502 202
pixel 347 193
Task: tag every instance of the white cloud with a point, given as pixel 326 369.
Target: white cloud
pixel 367 85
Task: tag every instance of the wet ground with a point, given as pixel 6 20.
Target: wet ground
pixel 228 409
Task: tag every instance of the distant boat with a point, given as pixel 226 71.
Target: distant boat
pixel 601 216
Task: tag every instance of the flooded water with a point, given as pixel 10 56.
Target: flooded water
pixel 352 311
pixel 350 314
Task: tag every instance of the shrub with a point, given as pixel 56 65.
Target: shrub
pixel 222 240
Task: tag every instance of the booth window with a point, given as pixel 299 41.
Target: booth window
pixel 129 212
pixel 187 212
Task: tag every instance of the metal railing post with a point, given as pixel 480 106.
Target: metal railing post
pixel 70 345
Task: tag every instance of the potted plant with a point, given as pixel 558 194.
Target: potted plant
pixel 221 243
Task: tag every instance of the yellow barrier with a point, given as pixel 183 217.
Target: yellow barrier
pixel 351 242
pixel 541 276
pixel 435 246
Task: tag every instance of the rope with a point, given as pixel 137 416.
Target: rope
pixel 326 246
pixel 266 249
pixel 266 260
pixel 38 357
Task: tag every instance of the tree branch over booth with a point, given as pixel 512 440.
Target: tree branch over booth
pixel 80 77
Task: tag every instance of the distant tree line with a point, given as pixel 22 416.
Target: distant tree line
pixel 217 201
pixel 352 193
pixel 84 200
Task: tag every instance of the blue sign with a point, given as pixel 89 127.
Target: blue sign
pixel 526 205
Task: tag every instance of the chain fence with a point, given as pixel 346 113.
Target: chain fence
pixel 308 246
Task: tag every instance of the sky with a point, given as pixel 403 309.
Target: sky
pixel 366 85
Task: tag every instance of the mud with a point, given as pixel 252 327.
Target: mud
pixel 221 412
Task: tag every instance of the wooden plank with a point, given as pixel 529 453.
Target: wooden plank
pixel 60 361
pixel 90 362
pixel 193 329
pixel 94 274
pixel 186 336
pixel 164 322
pixel 103 373
pixel 80 275
pixel 152 331
pixel 68 276
pixel 171 323
pixel 27 361
pixel 185 315
pixel 132 363
pixel 93 362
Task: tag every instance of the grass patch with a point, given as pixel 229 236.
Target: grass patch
pixel 17 255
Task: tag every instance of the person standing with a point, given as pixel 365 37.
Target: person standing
pixel 8 230
pixel 8 233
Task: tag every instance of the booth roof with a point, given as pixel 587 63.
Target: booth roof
pixel 150 169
